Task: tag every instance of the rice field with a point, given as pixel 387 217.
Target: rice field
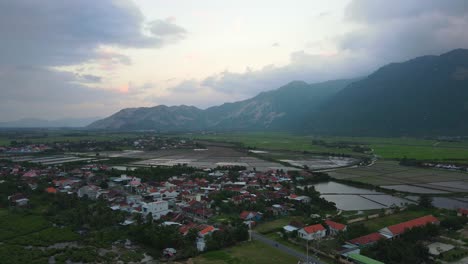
pixel 390 175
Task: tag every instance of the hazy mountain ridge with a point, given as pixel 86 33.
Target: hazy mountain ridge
pixel 278 109
pixel 424 96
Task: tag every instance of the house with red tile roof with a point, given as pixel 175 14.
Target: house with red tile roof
pixel 398 229
pixel 186 228
pixel 462 212
pixel 367 239
pixel 249 215
pixel 312 232
pixel 51 190
pixel 334 227
pixel 207 231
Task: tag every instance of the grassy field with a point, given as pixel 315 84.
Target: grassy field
pixel 378 223
pixel 388 148
pixel 61 136
pixel 15 225
pixel 271 226
pixel 245 253
pixel 34 230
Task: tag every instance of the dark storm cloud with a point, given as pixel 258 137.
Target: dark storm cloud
pixel 38 35
pixel 34 84
pixel 53 32
pixel 372 11
pixel 394 31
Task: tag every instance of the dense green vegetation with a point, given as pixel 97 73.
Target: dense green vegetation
pixel 407 249
pixel 420 97
pixel 246 253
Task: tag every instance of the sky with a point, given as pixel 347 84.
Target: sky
pixel 87 58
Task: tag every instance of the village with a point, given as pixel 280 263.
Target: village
pixel 221 207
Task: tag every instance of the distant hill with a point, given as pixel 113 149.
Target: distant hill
pixel 423 96
pixel 163 118
pixel 281 109
pixel 42 123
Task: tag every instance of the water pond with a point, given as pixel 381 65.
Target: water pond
pixel 350 198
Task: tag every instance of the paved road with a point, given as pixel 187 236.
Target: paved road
pixel 285 249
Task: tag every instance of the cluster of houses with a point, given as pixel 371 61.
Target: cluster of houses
pixel 445 166
pixel 31 148
pixel 351 249
pixel 315 231
pixel 180 200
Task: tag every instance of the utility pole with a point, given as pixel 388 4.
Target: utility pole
pixel 307 243
pixel 250 231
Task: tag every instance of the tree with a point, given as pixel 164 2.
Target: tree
pixel 425 201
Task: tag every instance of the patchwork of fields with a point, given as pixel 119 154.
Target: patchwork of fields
pixel 211 157
pixel 390 175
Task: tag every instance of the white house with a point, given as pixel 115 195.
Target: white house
pixel 312 232
pixel 90 191
pixel 157 209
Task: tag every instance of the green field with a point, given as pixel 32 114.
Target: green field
pixel 275 225
pixel 15 225
pixel 387 148
pixel 31 230
pixel 61 136
pixel 376 224
pixel 245 253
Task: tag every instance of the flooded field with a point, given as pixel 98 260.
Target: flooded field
pixel 352 198
pixel 391 175
pixel 413 189
pixel 449 203
pixel 227 155
pixel 50 160
pixel 321 163
pixel 211 157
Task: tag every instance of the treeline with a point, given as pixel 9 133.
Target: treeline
pixel 354 146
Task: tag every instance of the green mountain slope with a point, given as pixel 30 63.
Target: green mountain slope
pixel 424 96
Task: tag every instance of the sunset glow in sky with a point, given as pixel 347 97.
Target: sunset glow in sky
pixel 92 58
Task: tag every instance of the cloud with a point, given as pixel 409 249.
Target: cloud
pixel 166 28
pixel 369 11
pixel 54 33
pixel 38 37
pixel 302 66
pixel 187 86
pixel 384 32
pixel 34 91
pixel 398 31
pixel 88 78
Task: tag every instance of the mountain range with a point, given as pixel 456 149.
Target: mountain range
pixel 424 96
